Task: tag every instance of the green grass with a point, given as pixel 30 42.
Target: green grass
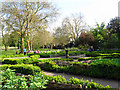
pixel 10 51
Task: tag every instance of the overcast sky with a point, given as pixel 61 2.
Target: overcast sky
pixel 92 10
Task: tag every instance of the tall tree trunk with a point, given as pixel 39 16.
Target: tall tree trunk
pixel 6 47
pixel 28 37
pixel 15 45
pixel 31 45
pixel 18 44
pixel 43 46
pixel 22 44
pixel 51 46
pixel 28 45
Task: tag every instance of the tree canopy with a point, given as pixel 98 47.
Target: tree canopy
pixel 19 16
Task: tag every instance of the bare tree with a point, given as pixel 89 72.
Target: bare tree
pixel 74 26
pixel 20 15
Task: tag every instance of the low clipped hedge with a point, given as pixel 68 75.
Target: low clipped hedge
pixel 63 59
pixel 19 61
pixel 92 54
pixel 89 58
pixel 12 61
pixel 102 69
pixel 35 56
pixel 42 55
pixel 96 70
pixel 9 56
pixel 110 51
pixel 104 55
pixel 22 68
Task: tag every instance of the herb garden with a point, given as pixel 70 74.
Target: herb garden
pixel 42 48
pixel 27 72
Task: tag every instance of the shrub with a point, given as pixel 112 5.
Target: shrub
pixel 44 55
pixel 18 61
pixel 28 60
pixel 92 54
pixel 104 68
pixel 9 56
pixel 35 56
pixel 23 68
pixel 12 61
pixel 63 59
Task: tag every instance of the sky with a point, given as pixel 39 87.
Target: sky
pixel 92 10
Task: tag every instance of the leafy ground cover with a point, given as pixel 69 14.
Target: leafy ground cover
pixel 11 80
pixel 14 80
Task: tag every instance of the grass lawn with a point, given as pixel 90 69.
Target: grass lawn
pixel 10 51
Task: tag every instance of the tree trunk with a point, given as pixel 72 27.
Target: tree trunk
pixel 31 45
pixel 22 44
pixel 51 46
pixel 15 45
pixel 43 46
pixel 18 44
pixel 28 45
pixel 6 47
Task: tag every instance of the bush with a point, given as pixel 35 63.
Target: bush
pixel 9 56
pixel 28 60
pixel 89 58
pixel 42 55
pixel 18 61
pixel 99 68
pixel 23 68
pixel 92 54
pixel 35 56
pixel 12 61
pixel 63 59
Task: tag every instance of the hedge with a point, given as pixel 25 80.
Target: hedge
pixel 100 69
pixel 22 68
pixel 19 61
pixel 35 56
pixel 42 55
pixel 9 56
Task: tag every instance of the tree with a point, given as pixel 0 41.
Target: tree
pixel 20 15
pixel 100 34
pixel 113 41
pixel 114 26
pixel 61 36
pixel 86 38
pixel 42 38
pixel 14 39
pixel 6 40
pixel 74 26
pixel 5 37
